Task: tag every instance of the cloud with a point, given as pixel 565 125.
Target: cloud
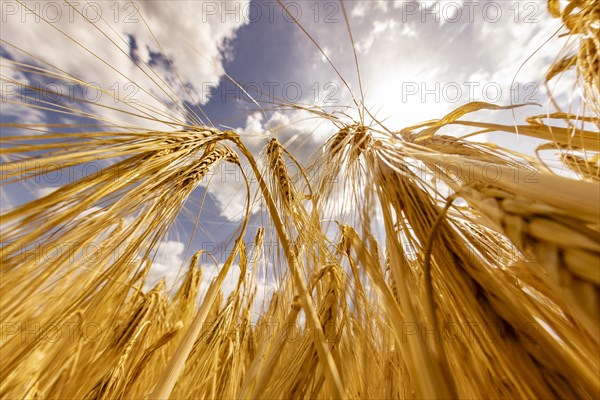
pixel 109 45
pixel 12 97
pixel 298 131
pixel 265 285
pixel 420 60
pixel 45 191
pixel 169 258
pixel 167 262
pixel 5 201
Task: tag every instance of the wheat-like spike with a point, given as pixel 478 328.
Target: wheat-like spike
pixel 586 169
pixel 571 256
pixel 195 172
pixel 580 18
pixel 338 141
pixel 281 178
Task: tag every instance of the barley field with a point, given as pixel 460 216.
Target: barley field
pixel 366 255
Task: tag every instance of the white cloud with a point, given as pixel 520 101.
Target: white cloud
pixel 210 271
pixel 450 55
pixel 167 263
pixel 189 36
pixel 5 201
pixel 11 97
pixel 297 131
pixel 253 125
pixel 45 191
pixel 379 28
pixel 31 115
pixel 169 259
pixel 402 44
pixel 265 285
pixel 359 10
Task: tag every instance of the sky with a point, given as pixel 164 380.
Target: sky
pixel 418 60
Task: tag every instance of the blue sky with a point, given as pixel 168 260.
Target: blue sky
pixel 418 60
